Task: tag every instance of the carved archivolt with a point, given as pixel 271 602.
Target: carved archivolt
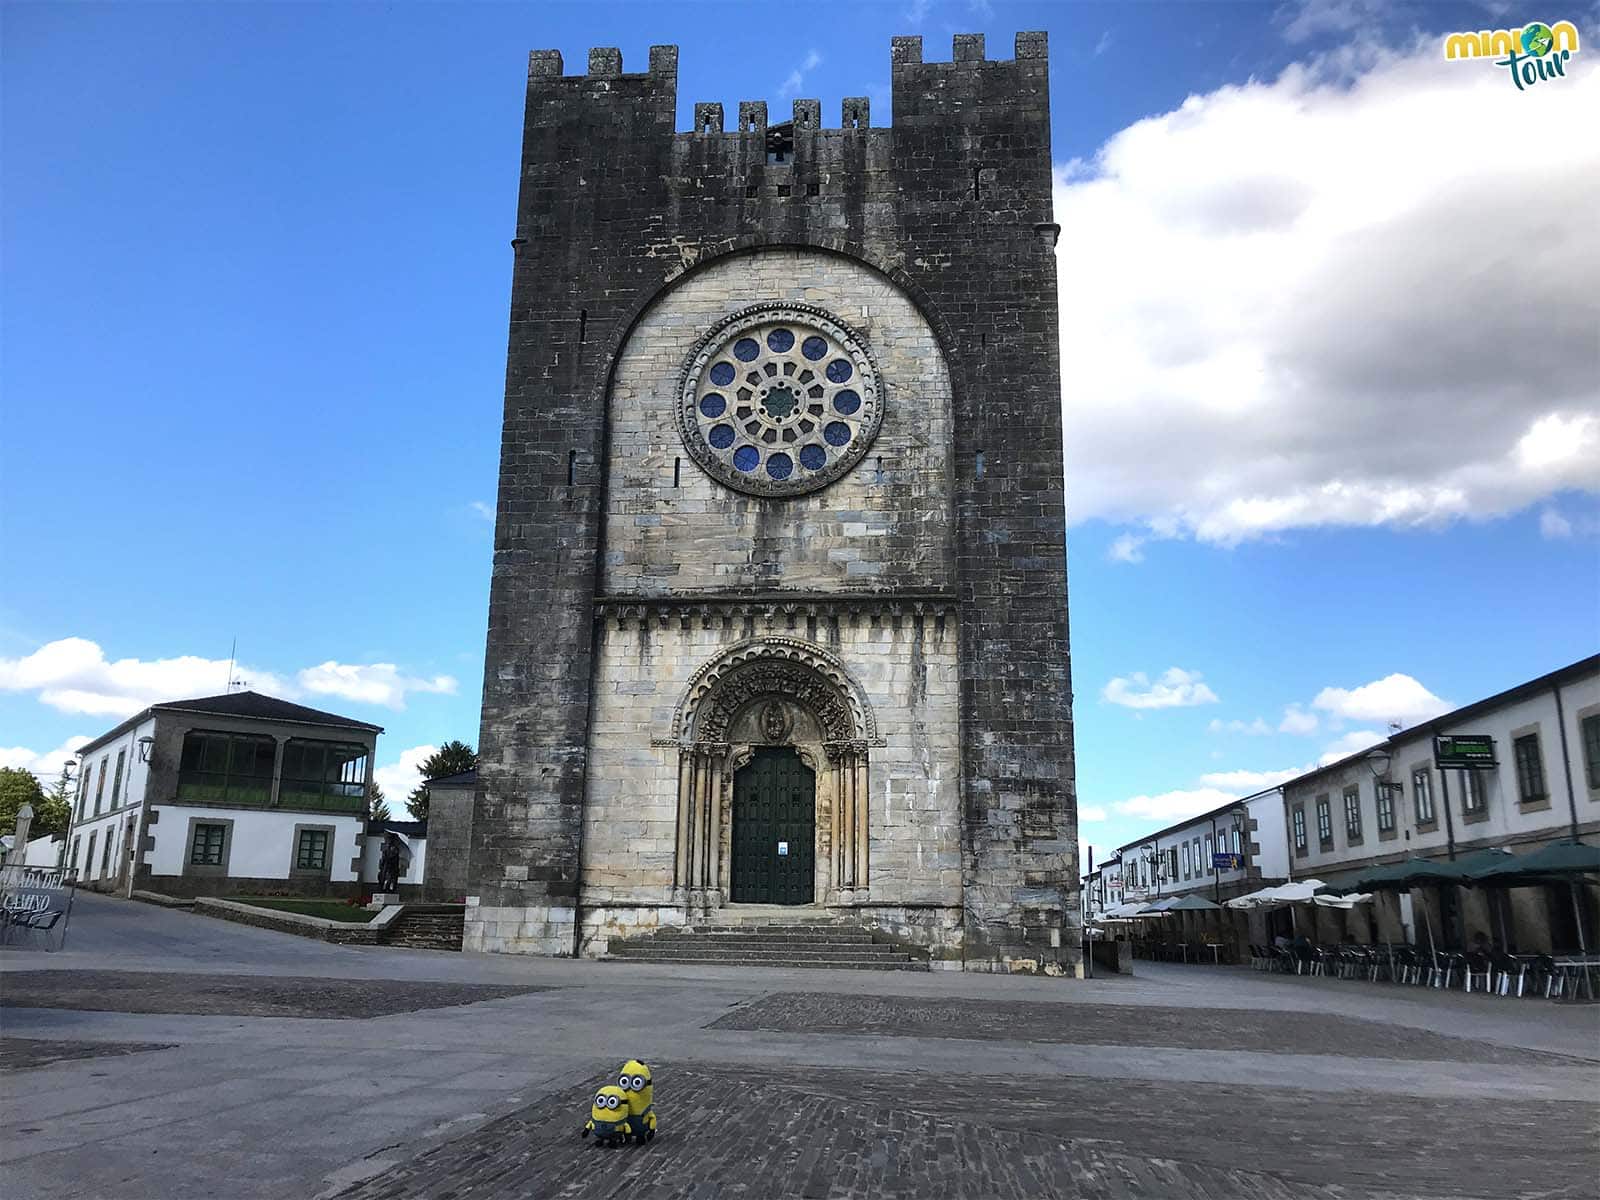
pixel 790 668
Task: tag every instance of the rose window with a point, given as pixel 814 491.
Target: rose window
pixel 779 400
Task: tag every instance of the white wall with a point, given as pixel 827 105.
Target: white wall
pixel 262 845
pixel 1508 821
pixel 412 862
pixel 42 852
pixel 112 820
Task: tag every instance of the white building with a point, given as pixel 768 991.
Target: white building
pixel 1393 801
pixel 1235 848
pixel 237 793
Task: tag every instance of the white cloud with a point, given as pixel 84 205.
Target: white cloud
pixel 1128 548
pixel 483 509
pixel 1315 17
pixel 1255 728
pixel 1338 307
pixel 1553 525
pixel 1104 44
pixel 1395 697
pixel 46 766
pixel 398 778
pixel 797 77
pixel 1167 807
pixel 73 675
pixel 1350 743
pixel 1298 720
pixel 1241 782
pixel 1176 688
pixel 916 12
pixel 371 683
pixel 1092 812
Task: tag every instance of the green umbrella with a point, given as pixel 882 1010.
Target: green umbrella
pixel 1192 904
pixel 1559 862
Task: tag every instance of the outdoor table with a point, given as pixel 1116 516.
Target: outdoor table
pixel 1575 968
pixel 1216 951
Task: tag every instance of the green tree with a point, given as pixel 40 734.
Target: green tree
pixel 55 814
pixel 18 787
pixel 449 759
pixel 377 804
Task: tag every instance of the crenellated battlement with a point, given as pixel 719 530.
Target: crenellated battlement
pixel 921 81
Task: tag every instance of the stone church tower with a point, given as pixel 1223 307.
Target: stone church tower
pixel 779 610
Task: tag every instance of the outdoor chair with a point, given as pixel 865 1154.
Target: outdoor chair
pixel 1405 965
pixel 1478 969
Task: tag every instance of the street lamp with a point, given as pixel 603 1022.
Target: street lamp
pixel 1377 760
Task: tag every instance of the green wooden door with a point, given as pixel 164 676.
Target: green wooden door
pixel 774 822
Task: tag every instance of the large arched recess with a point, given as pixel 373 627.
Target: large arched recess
pixel 898 504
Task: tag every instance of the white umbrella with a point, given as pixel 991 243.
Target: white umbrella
pixel 1295 892
pixel 1345 902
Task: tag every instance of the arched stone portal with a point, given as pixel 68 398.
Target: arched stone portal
pixel 764 694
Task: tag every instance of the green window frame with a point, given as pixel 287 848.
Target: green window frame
pixel 1530 768
pixel 1591 749
pixel 100 784
pixel 1352 814
pixel 83 790
pixel 1324 823
pixel 323 776
pixel 1298 819
pixel 116 780
pixel 1384 802
pixel 226 768
pixel 311 850
pixel 209 842
pixel 1422 796
pixel 1474 798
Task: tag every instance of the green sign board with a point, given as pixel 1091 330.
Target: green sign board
pixel 1466 751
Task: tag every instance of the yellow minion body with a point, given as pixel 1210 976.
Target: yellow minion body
pixel 608 1115
pixel 635 1082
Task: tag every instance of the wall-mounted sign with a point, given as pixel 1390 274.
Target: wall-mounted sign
pixel 783 849
pixel 1228 862
pixel 1464 751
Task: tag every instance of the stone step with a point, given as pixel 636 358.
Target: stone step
pixel 735 960
pixel 776 953
pixel 427 929
pixel 733 937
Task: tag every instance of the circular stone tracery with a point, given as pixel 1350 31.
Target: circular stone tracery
pixel 779 400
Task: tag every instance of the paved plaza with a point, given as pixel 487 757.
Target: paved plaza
pixel 168 1055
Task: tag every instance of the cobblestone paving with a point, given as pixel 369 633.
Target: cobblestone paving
pixel 1373 1144
pixel 1110 1025
pixel 25 1054
pixel 239 995
pixel 727 1135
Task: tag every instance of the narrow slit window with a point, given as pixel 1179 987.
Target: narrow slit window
pixel 572 467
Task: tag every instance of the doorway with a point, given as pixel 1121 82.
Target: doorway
pixel 774 829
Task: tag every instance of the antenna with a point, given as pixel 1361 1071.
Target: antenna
pixel 233 683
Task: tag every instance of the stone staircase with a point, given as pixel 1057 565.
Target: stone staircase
pixel 832 946
pixel 427 927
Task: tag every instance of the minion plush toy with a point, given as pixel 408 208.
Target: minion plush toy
pixel 634 1080
pixel 608 1117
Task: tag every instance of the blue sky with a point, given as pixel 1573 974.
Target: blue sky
pixel 255 299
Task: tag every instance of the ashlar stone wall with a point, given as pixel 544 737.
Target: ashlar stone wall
pixel 672 529
pixel 904 663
